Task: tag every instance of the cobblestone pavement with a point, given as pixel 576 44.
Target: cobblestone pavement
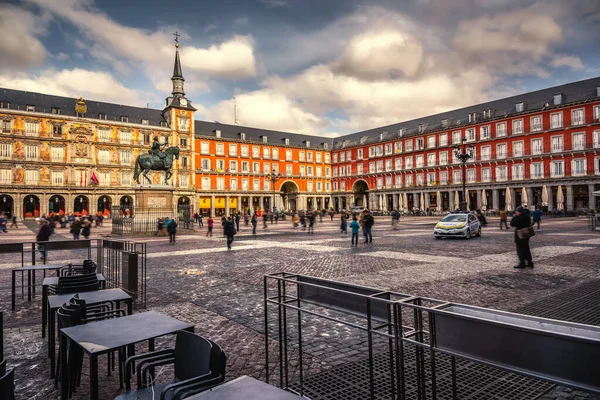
pixel 221 293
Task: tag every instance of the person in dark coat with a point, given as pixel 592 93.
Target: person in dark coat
pixel 172 230
pixel 75 228
pixel 237 222
pixel 520 220
pixel 254 222
pixel 229 231
pixel 43 235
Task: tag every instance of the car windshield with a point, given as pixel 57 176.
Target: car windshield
pixel 454 218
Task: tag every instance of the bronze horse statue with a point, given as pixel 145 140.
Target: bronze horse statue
pixel 145 163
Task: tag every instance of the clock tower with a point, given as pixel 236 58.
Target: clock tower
pixel 178 100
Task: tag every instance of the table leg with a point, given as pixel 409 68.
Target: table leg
pixel 29 286
pixel 33 281
pixel 64 371
pixel 51 340
pixel 44 309
pixel 14 287
pixel 93 377
pixel 151 348
pixel 129 306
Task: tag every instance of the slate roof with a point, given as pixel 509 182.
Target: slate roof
pixel 574 92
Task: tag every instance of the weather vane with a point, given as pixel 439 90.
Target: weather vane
pixel 176 34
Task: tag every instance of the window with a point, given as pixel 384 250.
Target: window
pixel 328 157
pixel 556 120
pixel 456 137
pixel 518 172
pixel 30 108
pixel 443 139
pixel 31 128
pixel 220 149
pixel 286 141
pixel 578 117
pixel 104 178
pixel 204 148
pixel 289 169
pixel 486 174
pixel 443 177
pixel 501 150
pixel 264 139
pixel 183 143
pixel 520 107
pixel 233 166
pixel 537 170
pixel 242 137
pixel 471 175
pixel 557 169
pixel 486 153
pixel 32 177
pixel 267 185
pixel 409 180
pixel 359 169
pixel 379 166
pixel 220 183
pixel 457 176
pixel 275 154
pixel 596 113
pixel 408 163
pixel 55 110
pixel 578 167
pixel 6 126
pixel 517 148
pixel 205 183
pixel 419 161
pixel 266 152
pixel 255 152
pixel 256 168
pixel 328 170
pixel 371 167
pixel 5 151
pixel 309 170
pixel 5 176
pixel 419 144
pixel 184 180
pixel 398 164
pixel 596 139
pixel 183 163
pixel 125 137
pixel 146 139
pixel 444 158
pixel 244 151
pixel 309 186
pixel 379 151
pixel 145 122
pixel 57 154
pixel 217 133
pixel 245 184
pixel 430 159
pixel 309 156
pixel 233 183
pixel 501 173
pixel 557 144
pixel 232 150
pixel 536 123
pixel 57 177
pixel 397 148
pixel 485 132
pixel 125 157
pixel 578 141
pixel 103 156
pixel 470 133
pixel 408 145
pixel 388 165
pixel 183 124
pixel 388 181
pixel 245 166
pixel 220 164
pixel 558 99
pixel 302 169
pixel 501 129
pixel 124 118
pixel 342 157
pixel 420 179
pixel 430 142
pixel 388 148
pixel 31 152
pixel 517 127
pixel 597 165
pixel 288 155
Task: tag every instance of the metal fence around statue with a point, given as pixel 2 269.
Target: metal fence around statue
pixel 146 220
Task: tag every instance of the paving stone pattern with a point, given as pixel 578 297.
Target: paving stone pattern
pixel 221 292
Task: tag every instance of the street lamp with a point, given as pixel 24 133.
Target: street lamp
pixel 273 177
pixel 464 154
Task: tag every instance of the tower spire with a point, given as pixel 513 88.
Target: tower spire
pixel 177 78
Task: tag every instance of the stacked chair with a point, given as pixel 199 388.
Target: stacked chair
pixel 198 362
pixel 7 379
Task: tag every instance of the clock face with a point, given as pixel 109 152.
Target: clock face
pixel 183 102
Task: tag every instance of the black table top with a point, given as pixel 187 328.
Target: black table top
pixel 40 267
pixel 53 280
pixel 103 336
pixel 245 388
pixel 94 297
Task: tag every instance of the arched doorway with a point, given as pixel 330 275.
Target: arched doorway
pixel 7 205
pixel 81 206
pixel 183 204
pixel 361 193
pixel 31 206
pixel 56 204
pixel 126 205
pixel 289 192
pixel 104 204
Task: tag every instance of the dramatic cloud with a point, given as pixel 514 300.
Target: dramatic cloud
pixel 567 61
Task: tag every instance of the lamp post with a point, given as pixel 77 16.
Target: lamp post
pixel 464 153
pixel 273 177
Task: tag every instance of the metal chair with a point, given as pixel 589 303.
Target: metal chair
pixel 69 284
pixel 199 365
pixel 87 267
pixel 3 367
pixel 7 385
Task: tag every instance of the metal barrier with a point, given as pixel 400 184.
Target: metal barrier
pixel 419 347
pixel 594 222
pixel 144 220
pixel 14 248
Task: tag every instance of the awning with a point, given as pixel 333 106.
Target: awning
pixel 219 202
pixel 204 202
pixel 596 193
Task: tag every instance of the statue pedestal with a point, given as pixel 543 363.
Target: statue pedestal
pixel 154 197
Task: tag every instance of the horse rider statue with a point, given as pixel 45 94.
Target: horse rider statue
pixel 156 149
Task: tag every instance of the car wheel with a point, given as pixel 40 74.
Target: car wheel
pixel 478 234
pixel 468 234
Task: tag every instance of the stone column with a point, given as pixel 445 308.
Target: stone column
pixel 570 200
pixel 479 198
pixel 240 207
pixel 550 198
pixel 592 198
pixel 417 200
pixel 427 202
pixel 495 200
pixel 451 204
pixel 513 200
pixel 227 205
pixel 250 204
pixel 530 204
pixel 212 205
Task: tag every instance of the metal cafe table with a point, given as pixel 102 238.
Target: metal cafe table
pixel 31 269
pixel 245 388
pixel 91 298
pixel 105 336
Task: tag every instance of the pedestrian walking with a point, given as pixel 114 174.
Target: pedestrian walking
pixel 14 222
pixel 172 230
pixel 311 216
pixel 537 217
pixel 254 222
pixel 277 212
pixel 75 228
pixel 368 225
pixel 295 220
pixel 355 226
pixel 395 219
pixel 210 222
pixel 86 227
pixel 43 235
pixel 246 218
pixel 303 220
pixel 344 223
pixel 3 223
pixel 237 222
pixel 200 221
pixel 331 215
pixel 229 231
pixel 265 219
pixel 523 231
pixel 503 218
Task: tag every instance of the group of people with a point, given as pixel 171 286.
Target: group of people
pixel 4 223
pixel 77 227
pixel 363 221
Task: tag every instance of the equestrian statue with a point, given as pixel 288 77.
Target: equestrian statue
pixel 156 160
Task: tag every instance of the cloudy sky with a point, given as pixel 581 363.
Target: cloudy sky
pixel 322 67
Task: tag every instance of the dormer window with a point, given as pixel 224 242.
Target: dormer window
pixel 445 123
pixel 597 92
pixel 400 132
pixel 217 133
pixel 421 128
pixel 472 117
pixel 363 140
pixel 163 124
pixel 145 122
pixel 558 99
pixel 520 107
pixel 307 143
pixel 124 118
pixel 286 141
pixel 381 137
pixel 55 111
pixel 325 146
pixel 242 136
pixel 102 116
pixel 487 113
pixel 30 108
pixel 264 138
pixel 4 105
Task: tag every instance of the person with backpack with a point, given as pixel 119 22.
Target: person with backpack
pixel 172 230
pixel 229 231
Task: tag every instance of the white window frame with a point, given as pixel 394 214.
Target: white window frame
pixel 501 129
pixel 535 148
pixel 518 127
